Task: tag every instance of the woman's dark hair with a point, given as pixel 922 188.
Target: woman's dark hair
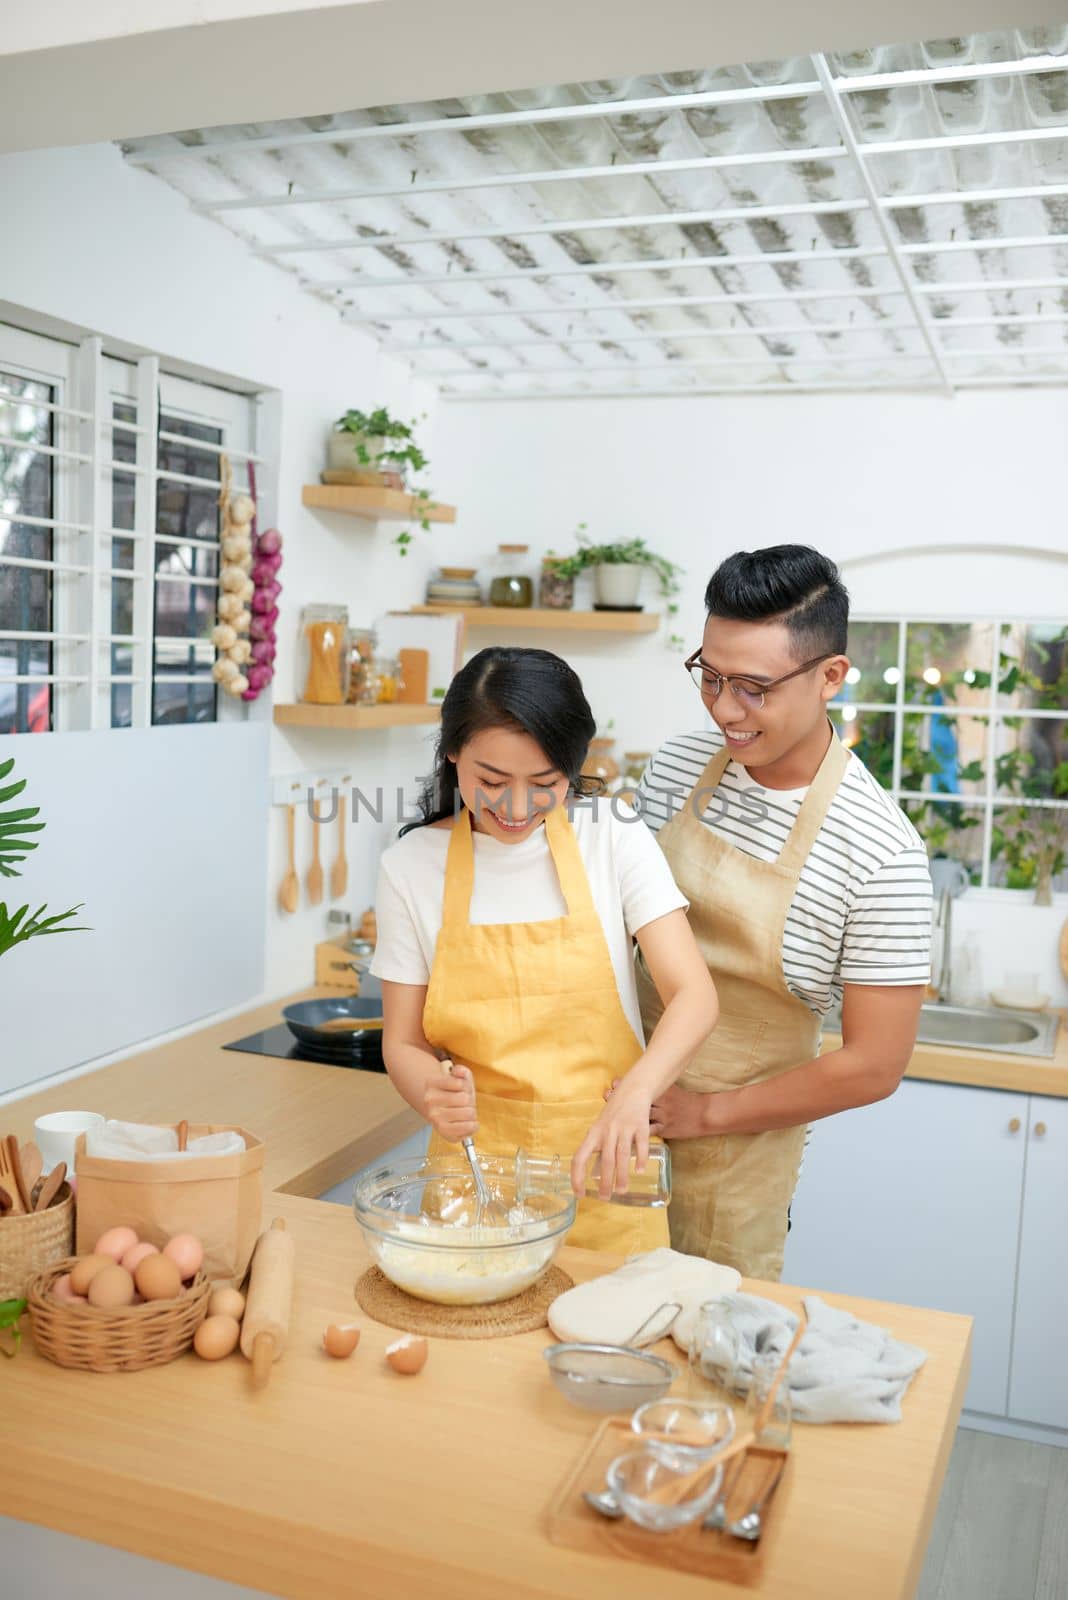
pixel 788 583
pixel 529 691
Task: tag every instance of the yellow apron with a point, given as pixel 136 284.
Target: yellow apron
pixel 533 1009
pixel 731 1193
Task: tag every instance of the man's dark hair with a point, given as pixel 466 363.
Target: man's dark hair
pixel 788 583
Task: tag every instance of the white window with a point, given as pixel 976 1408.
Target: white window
pixel 109 536
pixel 966 724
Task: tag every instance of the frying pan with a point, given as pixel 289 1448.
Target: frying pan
pixel 346 1021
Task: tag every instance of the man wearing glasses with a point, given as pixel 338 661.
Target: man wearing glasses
pixel 805 880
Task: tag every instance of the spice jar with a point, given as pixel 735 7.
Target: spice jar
pixel 389 681
pixel 510 585
pixel 555 593
pixel 361 659
pixel 324 655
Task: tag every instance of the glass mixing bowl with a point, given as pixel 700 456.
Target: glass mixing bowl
pixel 420 1222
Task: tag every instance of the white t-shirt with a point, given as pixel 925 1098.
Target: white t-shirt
pixel 862 909
pixel 629 878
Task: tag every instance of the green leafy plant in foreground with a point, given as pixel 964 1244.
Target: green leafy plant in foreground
pixel 16 824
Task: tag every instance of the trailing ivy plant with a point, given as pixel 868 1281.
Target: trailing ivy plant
pixel 628 552
pixel 16 824
pixel 401 452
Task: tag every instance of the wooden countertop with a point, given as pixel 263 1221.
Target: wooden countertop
pixel 319 1124
pixel 342 1479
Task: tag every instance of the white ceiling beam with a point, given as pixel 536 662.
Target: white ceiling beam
pixel 1034 241
pixel 961 141
pixel 883 222
pixel 975 197
pixel 949 74
pixel 525 230
pixel 677 302
pixel 692 333
pixel 828 359
pixel 690 391
pixel 597 269
pixel 513 180
pixel 477 123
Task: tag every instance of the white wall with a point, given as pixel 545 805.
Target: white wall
pixel 949 506
pixel 111 250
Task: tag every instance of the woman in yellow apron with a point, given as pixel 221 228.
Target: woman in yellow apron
pixel 505 920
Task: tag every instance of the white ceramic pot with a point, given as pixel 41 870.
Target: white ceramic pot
pixel 618 583
pixel 341 452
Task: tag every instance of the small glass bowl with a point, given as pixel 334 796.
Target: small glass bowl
pixel 637 1474
pixel 686 1432
pixel 608 1377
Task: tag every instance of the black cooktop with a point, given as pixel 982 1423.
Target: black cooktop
pixel 278 1041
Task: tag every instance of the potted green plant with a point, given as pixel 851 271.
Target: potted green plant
pixel 375 447
pixel 15 825
pixel 618 570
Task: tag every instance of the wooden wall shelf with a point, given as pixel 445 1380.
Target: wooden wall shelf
pixel 357 718
pixel 377 505
pixel 531 617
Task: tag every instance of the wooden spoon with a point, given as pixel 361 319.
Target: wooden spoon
pixel 51 1186
pixel 32 1165
pixel 314 881
pixel 289 893
pixel 339 872
pixel 183 1135
pixel 6 1204
pixel 10 1174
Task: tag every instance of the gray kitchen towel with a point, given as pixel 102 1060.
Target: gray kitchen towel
pixel 844 1370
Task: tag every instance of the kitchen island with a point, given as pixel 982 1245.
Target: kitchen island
pixel 344 1479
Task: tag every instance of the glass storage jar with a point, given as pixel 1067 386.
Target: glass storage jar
pixel 555 593
pixel 324 655
pixel 510 585
pixel 361 659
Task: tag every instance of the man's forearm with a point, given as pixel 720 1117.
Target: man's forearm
pixel 818 1088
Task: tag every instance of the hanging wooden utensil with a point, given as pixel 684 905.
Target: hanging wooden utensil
pixel 289 893
pixel 32 1166
pixel 314 881
pixel 11 1175
pixel 339 872
pixel 183 1135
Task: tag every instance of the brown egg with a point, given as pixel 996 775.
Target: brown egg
pixel 187 1252
pixel 115 1243
pixel 216 1337
pixel 227 1303
pixel 408 1355
pixel 341 1341
pixel 158 1278
pixel 84 1271
pixel 112 1288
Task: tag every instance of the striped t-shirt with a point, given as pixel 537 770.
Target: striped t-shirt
pixel 862 910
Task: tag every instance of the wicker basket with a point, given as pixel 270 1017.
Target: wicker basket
pixel 29 1244
pixel 148 1335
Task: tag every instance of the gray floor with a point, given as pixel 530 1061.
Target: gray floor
pixel 1002 1527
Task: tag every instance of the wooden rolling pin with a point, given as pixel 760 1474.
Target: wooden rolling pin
pixel 265 1327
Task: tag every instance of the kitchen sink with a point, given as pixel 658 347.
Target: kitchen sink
pixel 1014 1033
pixel 1019 1033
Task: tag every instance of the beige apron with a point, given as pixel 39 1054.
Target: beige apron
pixel 731 1192
pixel 534 1010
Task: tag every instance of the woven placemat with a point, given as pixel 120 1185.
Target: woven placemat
pixel 524 1313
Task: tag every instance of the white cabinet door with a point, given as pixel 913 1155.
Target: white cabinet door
pixel 1039 1388
pixel 917 1199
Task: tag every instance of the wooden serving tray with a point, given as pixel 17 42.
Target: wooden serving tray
pixel 706 1552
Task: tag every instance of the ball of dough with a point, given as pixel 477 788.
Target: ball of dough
pixel 223 636
pixel 231 609
pixel 242 508
pixel 224 670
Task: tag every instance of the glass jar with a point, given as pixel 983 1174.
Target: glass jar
pixel 324 655
pixel 555 593
pixel 776 1428
pixel 361 659
pixel 510 585
pixel 390 682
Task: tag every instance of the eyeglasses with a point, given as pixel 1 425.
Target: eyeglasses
pixel 747 691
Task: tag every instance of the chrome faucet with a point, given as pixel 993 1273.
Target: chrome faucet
pixel 945 968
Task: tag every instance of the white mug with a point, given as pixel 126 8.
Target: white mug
pixel 56 1134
